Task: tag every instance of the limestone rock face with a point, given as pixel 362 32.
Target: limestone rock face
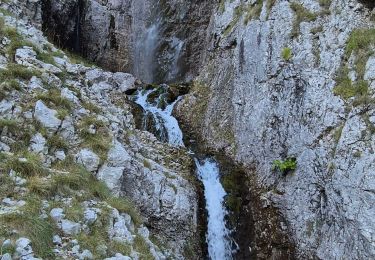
pixel 67 115
pixel 259 106
pixel 268 89
pixel 145 37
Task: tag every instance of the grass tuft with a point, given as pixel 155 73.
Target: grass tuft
pixel 27 164
pixel 302 15
pixel 286 54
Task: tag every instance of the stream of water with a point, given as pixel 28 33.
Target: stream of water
pixel 217 237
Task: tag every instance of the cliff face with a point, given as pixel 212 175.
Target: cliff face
pixel 277 80
pixel 284 80
pixel 148 38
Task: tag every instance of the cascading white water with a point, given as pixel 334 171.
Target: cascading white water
pixel 163 118
pixel 219 244
pixel 176 46
pixel 146 38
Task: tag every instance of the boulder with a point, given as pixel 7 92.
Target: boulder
pixel 46 116
pixel 38 144
pixel 88 159
pixel 111 176
pixel 70 227
pixel 57 214
pixel 23 248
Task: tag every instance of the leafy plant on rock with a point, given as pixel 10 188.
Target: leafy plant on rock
pixel 290 164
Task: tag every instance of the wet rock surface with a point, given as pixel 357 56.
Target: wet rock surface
pixel 119 34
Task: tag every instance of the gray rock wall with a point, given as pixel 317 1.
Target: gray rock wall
pixel 158 41
pixel 259 107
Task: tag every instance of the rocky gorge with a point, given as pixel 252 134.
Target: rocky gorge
pixel 280 93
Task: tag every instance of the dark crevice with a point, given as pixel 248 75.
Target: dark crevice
pixel 64 29
pixel 370 4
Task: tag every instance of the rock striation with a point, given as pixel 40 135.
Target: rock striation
pixel 294 80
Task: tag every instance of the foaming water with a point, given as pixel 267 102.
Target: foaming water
pixel 164 121
pixel 219 246
pixel 218 240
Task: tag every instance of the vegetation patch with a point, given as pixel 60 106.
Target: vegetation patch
pixel 325 5
pixel 252 11
pixel 222 6
pixel 286 53
pixel 10 124
pixel 360 44
pixel 237 13
pixel 28 223
pixel 53 98
pixel 142 248
pixel 302 15
pixel 91 107
pixel 95 136
pixel 56 142
pixel 125 205
pixel 27 164
pixel 8 86
pixel 16 71
pixel 290 164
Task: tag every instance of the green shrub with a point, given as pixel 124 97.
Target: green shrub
pixel 290 164
pixel 286 53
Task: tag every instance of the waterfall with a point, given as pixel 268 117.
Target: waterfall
pixel 217 237
pixel 145 47
pixel 146 31
pixel 77 42
pixel 176 45
pixel 219 246
pixel 165 123
pixel 155 52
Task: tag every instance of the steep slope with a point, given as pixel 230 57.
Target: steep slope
pixel 294 79
pixel 77 179
pixel 281 85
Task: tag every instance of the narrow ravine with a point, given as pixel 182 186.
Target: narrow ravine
pixel 167 129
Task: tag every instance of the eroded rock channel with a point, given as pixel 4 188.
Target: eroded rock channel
pixel 261 146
